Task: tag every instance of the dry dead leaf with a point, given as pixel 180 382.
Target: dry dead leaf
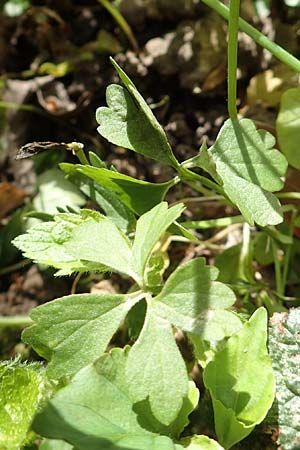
pixel 10 198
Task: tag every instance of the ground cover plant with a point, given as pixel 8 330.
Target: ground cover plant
pixel 117 375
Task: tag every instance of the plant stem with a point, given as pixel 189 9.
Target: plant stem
pixel 123 24
pixel 277 265
pixel 234 11
pixel 187 176
pixel 82 158
pixel 14 267
pixel 289 195
pixel 15 321
pixel 287 254
pixel 277 51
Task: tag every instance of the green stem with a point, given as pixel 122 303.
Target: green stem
pixel 287 254
pixel 23 107
pixel 277 265
pixel 15 321
pixel 14 267
pixel 234 11
pixel 257 36
pixel 82 158
pixel 289 195
pixel 187 176
pixel 123 24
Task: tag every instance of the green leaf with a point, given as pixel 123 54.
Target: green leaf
pixel 22 387
pixel 284 347
pixel 139 196
pixel 100 241
pixel 129 122
pixel 77 243
pixel 73 331
pixel 250 169
pixel 149 229
pixel 106 198
pixel 228 263
pixel 241 381
pixel 263 252
pixel 191 299
pixel 249 154
pixel 256 204
pixel 150 360
pixel 54 190
pixel 288 126
pixel 201 442
pixel 96 411
pixel 54 444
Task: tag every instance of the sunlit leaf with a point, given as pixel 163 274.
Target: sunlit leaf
pixel 96 411
pixel 241 381
pixel 191 299
pixel 129 122
pixel 22 387
pixel 73 331
pixel 148 370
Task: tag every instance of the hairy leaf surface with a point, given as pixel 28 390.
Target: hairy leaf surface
pixel 241 381
pixel 129 122
pixel 45 243
pixel 244 159
pixel 22 387
pixel 138 195
pixel 73 331
pixel 150 360
pixel 96 411
pixel 284 347
pixel 191 299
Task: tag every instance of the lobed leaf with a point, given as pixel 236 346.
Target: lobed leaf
pixel 249 154
pixel 73 331
pixel 96 411
pixel 45 243
pixel 244 161
pixel 101 242
pixel 191 299
pixel 149 363
pixel 241 381
pixel 128 121
pixel 78 242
